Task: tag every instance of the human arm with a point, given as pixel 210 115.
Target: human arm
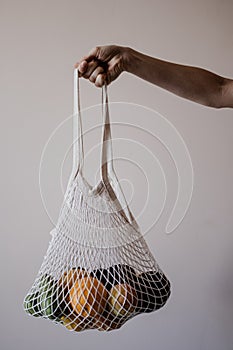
pixel 106 63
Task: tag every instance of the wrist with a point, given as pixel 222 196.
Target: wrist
pixel 127 58
pixel 132 60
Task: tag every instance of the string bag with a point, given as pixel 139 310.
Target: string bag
pixel 98 271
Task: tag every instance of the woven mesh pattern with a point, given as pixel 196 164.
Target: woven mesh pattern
pixel 98 271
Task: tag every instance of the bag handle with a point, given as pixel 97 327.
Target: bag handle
pixel 78 151
pixel 78 148
pixel 108 175
pixel 107 154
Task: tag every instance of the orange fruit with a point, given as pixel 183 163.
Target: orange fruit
pixel 88 297
pixel 70 277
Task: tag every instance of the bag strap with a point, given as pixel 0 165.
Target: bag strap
pixel 108 175
pixel 78 151
pixel 107 154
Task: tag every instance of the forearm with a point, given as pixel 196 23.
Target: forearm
pixel 192 83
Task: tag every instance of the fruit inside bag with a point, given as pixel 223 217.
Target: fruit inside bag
pixel 98 271
pixel 102 299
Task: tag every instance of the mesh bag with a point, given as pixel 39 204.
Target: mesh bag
pixel 98 271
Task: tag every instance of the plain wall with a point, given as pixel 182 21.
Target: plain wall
pixel 40 42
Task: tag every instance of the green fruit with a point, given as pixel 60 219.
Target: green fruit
pixel 48 298
pixel 31 305
pixel 46 283
pixel 48 305
pixel 37 307
pixel 62 304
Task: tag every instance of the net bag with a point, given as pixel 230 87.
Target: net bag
pixel 98 271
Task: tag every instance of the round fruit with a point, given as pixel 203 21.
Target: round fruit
pixel 72 323
pixel 70 277
pixel 122 300
pixel 37 306
pixel 46 282
pixel 49 306
pixel 153 291
pixel 122 274
pixel 117 274
pixel 31 305
pixel 65 283
pixel 88 297
pixel 104 276
pixel 50 300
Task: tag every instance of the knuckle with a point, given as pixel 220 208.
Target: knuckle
pixel 97 51
pixel 95 74
pixel 94 51
pixel 82 68
pixel 100 70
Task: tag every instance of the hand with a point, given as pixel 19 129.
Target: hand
pixel 103 64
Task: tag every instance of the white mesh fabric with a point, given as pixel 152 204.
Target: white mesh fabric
pixel 98 271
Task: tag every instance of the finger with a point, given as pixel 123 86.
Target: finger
pixel 100 80
pixel 92 55
pixel 87 58
pixel 76 64
pixel 82 67
pixel 90 69
pixel 95 73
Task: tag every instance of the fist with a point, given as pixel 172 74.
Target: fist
pixel 103 64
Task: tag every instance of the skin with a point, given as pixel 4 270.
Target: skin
pixel 104 64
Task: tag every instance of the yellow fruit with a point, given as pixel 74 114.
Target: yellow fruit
pixel 88 297
pixel 72 325
pixel 122 300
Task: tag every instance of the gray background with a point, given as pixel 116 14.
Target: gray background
pixel 40 42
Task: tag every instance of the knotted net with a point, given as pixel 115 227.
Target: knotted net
pixel 98 271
